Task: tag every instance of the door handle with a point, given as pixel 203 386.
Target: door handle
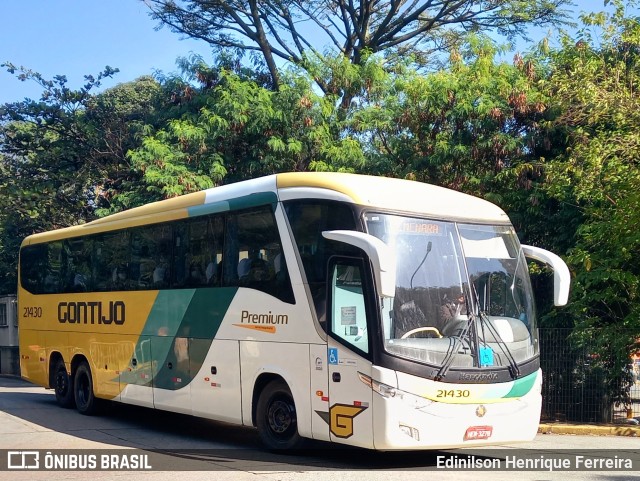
pixel 336 377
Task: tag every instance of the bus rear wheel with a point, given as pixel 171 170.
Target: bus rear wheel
pixel 86 402
pixel 62 385
pixel 276 418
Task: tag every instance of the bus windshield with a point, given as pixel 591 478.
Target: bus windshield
pixel 463 297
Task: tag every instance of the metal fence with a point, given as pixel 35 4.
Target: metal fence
pixel 575 389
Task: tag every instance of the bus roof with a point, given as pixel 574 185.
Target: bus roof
pixel 376 192
pixel 395 194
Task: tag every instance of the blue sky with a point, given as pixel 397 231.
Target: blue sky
pixel 79 37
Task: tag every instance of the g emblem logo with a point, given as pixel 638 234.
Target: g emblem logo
pixel 341 419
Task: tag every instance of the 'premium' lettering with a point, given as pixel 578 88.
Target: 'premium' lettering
pixel 249 318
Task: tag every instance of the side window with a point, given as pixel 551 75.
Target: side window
pixel 33 266
pixel 53 271
pixel 232 249
pixel 348 312
pixel 77 273
pixel 179 267
pixel 197 250
pixel 204 252
pixel 213 254
pixel 308 219
pixel 150 255
pixel 253 254
pixel 40 268
pixel 111 261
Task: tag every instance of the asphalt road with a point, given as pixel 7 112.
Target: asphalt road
pixel 30 419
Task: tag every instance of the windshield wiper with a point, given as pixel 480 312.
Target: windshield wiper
pixel 514 370
pixel 452 350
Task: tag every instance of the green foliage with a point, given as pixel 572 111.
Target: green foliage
pixel 473 127
pixel 595 85
pixel 44 149
pixel 64 155
pixel 234 128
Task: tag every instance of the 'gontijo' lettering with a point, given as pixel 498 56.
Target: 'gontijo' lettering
pixel 92 312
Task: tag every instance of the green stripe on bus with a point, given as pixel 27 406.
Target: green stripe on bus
pixel 178 358
pixel 206 312
pixel 253 200
pixel 522 386
pixel 167 312
pixel 156 339
pixel 244 202
pixel 214 208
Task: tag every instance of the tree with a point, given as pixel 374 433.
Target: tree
pixel 232 128
pixel 63 156
pixel 68 150
pixel 295 30
pixel 46 150
pixel 477 127
pixel 594 84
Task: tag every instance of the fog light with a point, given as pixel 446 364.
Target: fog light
pixel 410 431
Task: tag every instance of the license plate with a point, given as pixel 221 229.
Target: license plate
pixel 478 432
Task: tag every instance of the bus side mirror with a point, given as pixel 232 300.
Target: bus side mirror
pixel 380 254
pixel 561 275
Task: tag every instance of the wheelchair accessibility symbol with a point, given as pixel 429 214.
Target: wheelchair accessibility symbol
pixel 333 355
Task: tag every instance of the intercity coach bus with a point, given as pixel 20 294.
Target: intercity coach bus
pixel 375 312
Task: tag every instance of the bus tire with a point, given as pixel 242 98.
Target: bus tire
pixel 86 402
pixel 276 417
pixel 63 385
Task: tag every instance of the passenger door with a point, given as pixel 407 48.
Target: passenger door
pixel 350 416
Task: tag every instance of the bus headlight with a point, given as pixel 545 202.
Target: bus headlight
pixel 389 392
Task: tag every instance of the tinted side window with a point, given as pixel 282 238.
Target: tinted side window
pixel 34 263
pixel 204 252
pixel 183 254
pixel 197 251
pixel 111 261
pixel 41 268
pixel 77 272
pixel 253 254
pixel 213 252
pixel 308 219
pixel 150 256
pixel 51 282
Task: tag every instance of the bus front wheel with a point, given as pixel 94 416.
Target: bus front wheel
pixel 86 402
pixel 62 385
pixel 276 417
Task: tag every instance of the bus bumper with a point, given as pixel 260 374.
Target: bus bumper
pixel 439 425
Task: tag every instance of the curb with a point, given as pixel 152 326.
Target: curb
pixel 587 429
